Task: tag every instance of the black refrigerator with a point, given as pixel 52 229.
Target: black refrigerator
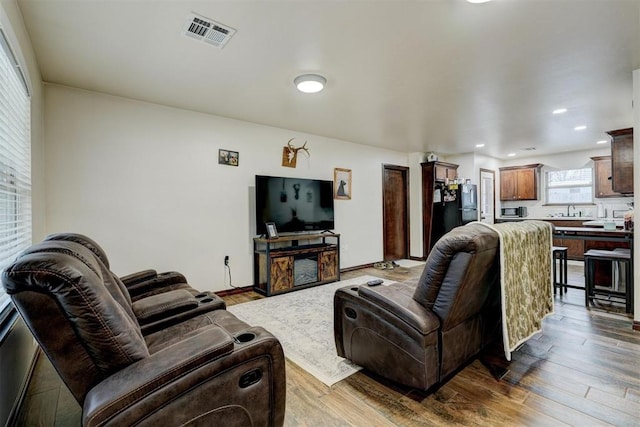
pixel 453 206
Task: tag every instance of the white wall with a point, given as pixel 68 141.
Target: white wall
pixel 144 181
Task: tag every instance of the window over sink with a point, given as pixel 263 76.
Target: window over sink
pixel 569 186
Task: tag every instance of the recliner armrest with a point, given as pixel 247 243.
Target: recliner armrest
pixel 169 374
pixel 163 305
pixel 158 281
pixel 140 276
pixel 397 299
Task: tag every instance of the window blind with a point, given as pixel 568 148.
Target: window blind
pixel 15 161
pixel 570 186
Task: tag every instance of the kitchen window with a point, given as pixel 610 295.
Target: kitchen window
pixel 570 186
pixel 15 162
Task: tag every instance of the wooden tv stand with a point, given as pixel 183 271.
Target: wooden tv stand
pixel 284 264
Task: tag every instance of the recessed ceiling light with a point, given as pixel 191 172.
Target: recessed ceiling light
pixel 310 83
pixel 559 111
pixel 478 1
pixel 581 127
pixel 511 154
pixel 479 145
pixel 604 141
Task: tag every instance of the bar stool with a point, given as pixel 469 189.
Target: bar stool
pixel 619 259
pixel 560 255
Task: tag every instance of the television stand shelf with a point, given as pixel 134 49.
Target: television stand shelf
pixel 284 264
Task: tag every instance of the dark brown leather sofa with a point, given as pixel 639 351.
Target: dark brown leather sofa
pixel 417 335
pixel 210 369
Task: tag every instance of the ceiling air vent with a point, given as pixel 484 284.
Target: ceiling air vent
pixel 208 30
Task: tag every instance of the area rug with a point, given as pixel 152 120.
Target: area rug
pixel 303 322
pixel 408 263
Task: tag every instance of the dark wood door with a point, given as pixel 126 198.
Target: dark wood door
pixel 395 213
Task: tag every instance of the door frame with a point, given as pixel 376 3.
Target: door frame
pixel 405 177
pixel 492 172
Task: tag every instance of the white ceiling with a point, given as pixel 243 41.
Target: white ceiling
pixel 431 75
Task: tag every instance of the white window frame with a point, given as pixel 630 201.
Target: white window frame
pixel 549 186
pixel 15 162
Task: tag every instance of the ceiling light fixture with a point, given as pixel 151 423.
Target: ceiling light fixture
pixel 478 1
pixel 479 145
pixel 511 154
pixel 559 111
pixel 310 83
pixel 603 141
pixel 581 127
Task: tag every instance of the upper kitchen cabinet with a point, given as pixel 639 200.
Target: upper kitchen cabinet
pixel 602 168
pixel 444 171
pixel 519 182
pixel 622 160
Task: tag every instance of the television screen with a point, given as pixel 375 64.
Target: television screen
pixel 293 204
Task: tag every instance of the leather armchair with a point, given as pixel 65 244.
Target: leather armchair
pixel 140 284
pixel 210 369
pixel 417 335
pixel 154 310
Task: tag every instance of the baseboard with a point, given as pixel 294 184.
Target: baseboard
pixel 356 267
pixel 234 291
pixel 418 258
pixel 636 325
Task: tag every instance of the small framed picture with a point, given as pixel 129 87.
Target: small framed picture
pixel 342 183
pixel 272 231
pixel 228 157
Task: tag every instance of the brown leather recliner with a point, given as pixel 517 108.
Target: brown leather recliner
pixel 419 334
pixel 140 284
pixel 165 304
pixel 211 369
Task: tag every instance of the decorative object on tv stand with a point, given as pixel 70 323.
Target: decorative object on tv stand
pixel 272 231
pixel 342 183
pixel 228 157
pixel 290 154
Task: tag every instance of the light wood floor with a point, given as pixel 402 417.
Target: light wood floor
pixel 584 369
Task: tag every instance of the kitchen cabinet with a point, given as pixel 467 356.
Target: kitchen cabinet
pixel 622 160
pixel 445 171
pixel 603 184
pixel 575 248
pixel 519 182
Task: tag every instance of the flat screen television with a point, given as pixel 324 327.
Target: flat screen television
pixel 294 204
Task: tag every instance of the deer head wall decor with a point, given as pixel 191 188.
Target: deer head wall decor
pixel 290 154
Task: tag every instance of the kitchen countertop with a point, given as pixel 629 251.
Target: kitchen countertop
pixel 587 221
pixel 592 231
pixel 548 218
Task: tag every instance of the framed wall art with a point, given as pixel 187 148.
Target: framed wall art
pixel 228 157
pixel 342 183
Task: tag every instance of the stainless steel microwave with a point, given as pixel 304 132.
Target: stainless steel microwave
pixel 518 212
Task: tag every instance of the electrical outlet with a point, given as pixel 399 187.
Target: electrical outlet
pixel 226 260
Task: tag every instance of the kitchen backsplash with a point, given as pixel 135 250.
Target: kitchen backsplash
pixel 536 209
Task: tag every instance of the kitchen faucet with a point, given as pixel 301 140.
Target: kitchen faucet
pixel 574 210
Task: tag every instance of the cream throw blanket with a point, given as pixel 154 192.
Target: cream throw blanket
pixel 526 279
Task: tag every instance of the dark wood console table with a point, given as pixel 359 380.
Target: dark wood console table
pixel 294 262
